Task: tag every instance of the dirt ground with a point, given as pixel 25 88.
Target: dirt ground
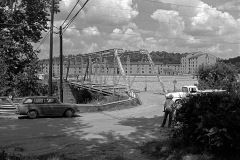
pixel 102 135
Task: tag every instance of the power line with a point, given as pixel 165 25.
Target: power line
pixel 237 43
pixel 19 24
pixel 141 11
pixel 67 25
pixel 187 5
pixel 70 12
pixel 104 15
pixel 43 40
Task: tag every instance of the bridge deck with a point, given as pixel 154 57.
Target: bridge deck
pixel 104 89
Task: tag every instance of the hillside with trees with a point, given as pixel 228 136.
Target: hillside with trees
pixel 157 56
pixel 235 61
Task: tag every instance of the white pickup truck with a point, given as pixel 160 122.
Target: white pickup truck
pixel 189 90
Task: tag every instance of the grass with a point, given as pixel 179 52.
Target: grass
pixel 172 150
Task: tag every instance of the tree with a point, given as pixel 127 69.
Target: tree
pixel 218 76
pixel 21 25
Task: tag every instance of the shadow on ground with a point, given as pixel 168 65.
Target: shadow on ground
pixel 59 138
pixel 49 138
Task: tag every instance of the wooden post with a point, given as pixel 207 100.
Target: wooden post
pixel 61 66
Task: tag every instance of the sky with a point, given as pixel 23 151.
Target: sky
pixel 178 26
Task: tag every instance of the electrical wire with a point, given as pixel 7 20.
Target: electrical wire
pixel 18 24
pixel 141 11
pixel 70 12
pixel 104 15
pixel 182 5
pixel 43 40
pixel 72 19
pixel 236 43
pixel 68 24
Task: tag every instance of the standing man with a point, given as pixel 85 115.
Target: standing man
pixel 168 109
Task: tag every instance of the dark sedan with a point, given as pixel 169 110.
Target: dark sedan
pixel 41 105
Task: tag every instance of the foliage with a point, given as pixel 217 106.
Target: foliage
pixel 234 61
pixel 218 76
pixel 210 122
pixel 21 25
pixel 164 57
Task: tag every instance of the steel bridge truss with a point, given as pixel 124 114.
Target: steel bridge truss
pixel 97 64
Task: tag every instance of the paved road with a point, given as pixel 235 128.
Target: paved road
pixel 86 133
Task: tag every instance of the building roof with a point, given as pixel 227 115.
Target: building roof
pixel 196 56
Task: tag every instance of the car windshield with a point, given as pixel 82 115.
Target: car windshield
pixel 28 101
pixel 193 90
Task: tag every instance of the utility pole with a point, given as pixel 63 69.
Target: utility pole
pixel 51 51
pixel 61 65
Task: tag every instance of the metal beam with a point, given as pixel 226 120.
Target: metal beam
pixel 121 69
pixel 154 68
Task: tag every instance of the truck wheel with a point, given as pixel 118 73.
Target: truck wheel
pixel 178 101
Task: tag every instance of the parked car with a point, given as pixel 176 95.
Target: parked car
pixel 42 105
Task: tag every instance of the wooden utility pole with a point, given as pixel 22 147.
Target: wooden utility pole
pixel 61 66
pixel 51 51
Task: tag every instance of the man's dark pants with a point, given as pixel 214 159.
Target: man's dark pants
pixel 166 114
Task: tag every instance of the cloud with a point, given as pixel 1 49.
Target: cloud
pixel 130 37
pixel 72 32
pixel 91 31
pixel 205 27
pixel 232 5
pixel 170 24
pixel 175 26
pixel 110 12
pixel 126 36
pixel 211 19
pixel 65 7
pixel 88 48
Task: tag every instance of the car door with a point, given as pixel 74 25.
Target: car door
pixel 53 106
pixel 39 105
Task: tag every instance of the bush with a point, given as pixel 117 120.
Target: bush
pixel 210 122
pixel 217 76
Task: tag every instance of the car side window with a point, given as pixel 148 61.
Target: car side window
pixel 28 101
pixel 38 101
pixel 50 100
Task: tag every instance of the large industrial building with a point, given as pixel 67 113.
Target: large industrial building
pixel 189 64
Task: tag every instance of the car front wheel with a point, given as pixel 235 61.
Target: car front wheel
pixel 69 113
pixel 32 114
